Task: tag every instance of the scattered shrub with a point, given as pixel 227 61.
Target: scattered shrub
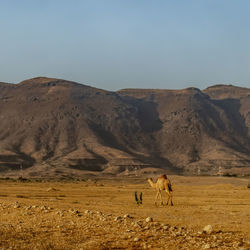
pixel 21 196
pixel 21 179
pixel 61 195
pixel 229 175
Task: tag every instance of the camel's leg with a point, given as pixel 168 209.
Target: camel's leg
pixel 169 197
pixel 156 197
pixel 161 197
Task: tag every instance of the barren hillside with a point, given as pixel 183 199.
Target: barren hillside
pixel 51 127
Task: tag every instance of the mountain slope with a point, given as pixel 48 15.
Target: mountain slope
pixel 200 131
pixel 53 127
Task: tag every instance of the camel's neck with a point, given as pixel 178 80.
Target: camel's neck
pixel 152 184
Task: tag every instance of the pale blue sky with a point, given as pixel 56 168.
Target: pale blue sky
pixel 114 44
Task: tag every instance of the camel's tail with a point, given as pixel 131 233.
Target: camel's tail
pixel 170 187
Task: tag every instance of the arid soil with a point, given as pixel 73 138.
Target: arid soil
pixel 103 214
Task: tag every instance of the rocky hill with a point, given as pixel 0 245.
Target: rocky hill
pixel 52 127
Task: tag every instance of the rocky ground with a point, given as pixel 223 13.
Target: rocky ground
pixel 41 227
pixel 208 213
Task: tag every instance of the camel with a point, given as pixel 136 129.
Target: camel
pixel 162 183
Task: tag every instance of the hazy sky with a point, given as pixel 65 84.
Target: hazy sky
pixel 114 44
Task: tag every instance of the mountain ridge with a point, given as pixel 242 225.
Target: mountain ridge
pixel 53 127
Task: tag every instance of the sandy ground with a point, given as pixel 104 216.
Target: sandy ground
pixel 103 214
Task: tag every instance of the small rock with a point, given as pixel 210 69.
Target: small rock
pixel 237 244
pixel 136 239
pixel 208 229
pixel 74 211
pixel 213 245
pixel 156 224
pixel 246 240
pixel 118 218
pixel 149 219
pixel 127 216
pixel 214 237
pixel 16 204
pixel 173 228
pixel 165 226
pixel 206 246
pixel 138 224
pixel 60 213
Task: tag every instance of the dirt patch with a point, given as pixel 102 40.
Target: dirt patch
pixel 103 214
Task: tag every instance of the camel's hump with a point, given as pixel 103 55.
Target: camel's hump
pixel 163 176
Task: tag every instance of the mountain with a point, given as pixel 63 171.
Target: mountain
pixel 54 128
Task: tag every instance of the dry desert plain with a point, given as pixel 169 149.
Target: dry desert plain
pixel 103 214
